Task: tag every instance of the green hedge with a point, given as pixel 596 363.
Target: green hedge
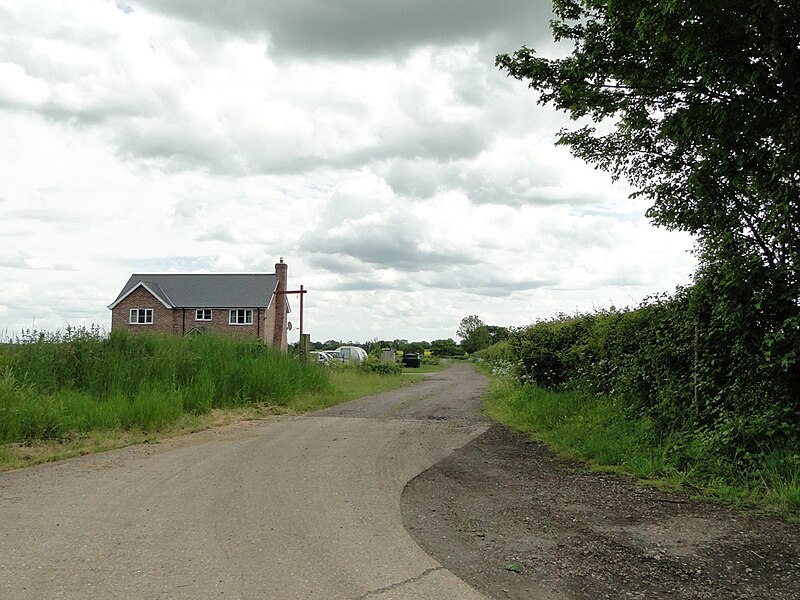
pixel 718 359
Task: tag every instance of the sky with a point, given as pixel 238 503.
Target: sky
pixel 405 180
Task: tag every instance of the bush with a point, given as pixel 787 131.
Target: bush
pixel 707 360
pixel 500 351
pixel 381 367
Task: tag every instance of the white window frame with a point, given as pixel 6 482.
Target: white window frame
pixel 240 316
pixel 203 314
pixel 140 316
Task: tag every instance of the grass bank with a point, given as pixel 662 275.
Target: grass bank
pixel 63 398
pixel 599 430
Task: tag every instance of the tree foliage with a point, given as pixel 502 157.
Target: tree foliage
pixel 476 335
pixel 716 391
pixel 703 100
pixel 446 347
pixel 697 105
pixel 468 325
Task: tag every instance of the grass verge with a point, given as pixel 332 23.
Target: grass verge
pixel 65 399
pixel 428 367
pixel 346 384
pixel 597 430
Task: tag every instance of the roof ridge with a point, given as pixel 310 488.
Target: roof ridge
pixel 204 290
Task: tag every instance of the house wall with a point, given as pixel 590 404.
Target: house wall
pixel 179 321
pixel 163 317
pixel 269 326
pixel 219 323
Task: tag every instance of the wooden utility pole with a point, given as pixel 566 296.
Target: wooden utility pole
pixel 304 344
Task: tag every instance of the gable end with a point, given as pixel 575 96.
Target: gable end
pixel 157 296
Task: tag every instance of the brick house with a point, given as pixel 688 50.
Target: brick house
pixel 234 304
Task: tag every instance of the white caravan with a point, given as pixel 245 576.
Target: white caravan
pixel 352 353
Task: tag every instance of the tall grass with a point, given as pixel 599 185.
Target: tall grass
pixel 582 426
pixel 53 389
pixel 601 430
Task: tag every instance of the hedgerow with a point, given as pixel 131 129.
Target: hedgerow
pixel 716 362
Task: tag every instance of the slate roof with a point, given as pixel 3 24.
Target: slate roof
pixel 206 290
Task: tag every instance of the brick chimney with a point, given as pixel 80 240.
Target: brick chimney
pixel 279 337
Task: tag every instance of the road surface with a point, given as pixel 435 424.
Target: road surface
pixel 292 507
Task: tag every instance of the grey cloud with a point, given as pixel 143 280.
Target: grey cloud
pixel 440 142
pixel 458 276
pixel 418 178
pixel 95 80
pixel 390 247
pixel 525 191
pixel 504 289
pixel 97 113
pixel 335 263
pixel 364 284
pixel 94 110
pixel 24 260
pixel 447 141
pixel 424 140
pixel 397 253
pixel 186 211
pixel 177 145
pixel 221 232
pixel 589 233
pixel 363 28
pixel 633 278
pixel 174 144
pixel 424 177
pixel 486 282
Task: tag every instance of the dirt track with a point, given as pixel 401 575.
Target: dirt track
pixel 576 534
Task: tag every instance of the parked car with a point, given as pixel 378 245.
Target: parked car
pixel 335 355
pixel 320 357
pixel 411 359
pixel 352 353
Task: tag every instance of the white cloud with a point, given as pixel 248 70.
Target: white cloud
pixel 226 262
pixel 22 259
pixel 18 89
pixel 406 181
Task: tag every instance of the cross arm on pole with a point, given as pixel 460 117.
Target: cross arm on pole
pixel 302 292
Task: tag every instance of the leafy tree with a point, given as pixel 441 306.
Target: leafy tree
pixel 474 334
pixel 497 333
pixel 477 340
pixel 418 347
pixel 468 325
pixel 700 110
pixel 703 99
pixel 446 347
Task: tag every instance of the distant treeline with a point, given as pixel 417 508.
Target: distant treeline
pixel 475 335
pixel 439 348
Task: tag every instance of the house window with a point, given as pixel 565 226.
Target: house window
pixel 240 316
pixel 141 316
pixel 202 314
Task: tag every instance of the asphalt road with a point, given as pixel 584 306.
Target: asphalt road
pixel 296 507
